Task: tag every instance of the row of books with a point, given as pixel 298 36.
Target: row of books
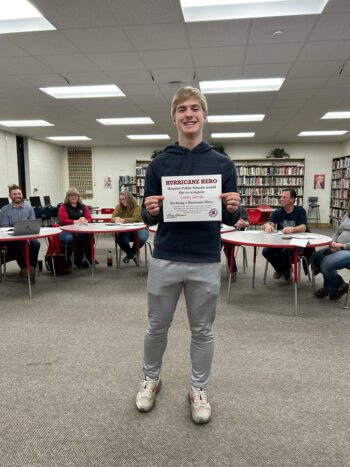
pixel 271 170
pixel 272 191
pixel 270 181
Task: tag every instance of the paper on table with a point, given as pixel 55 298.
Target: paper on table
pixel 302 242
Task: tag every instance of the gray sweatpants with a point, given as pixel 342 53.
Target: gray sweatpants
pixel 201 284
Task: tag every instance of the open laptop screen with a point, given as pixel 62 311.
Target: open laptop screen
pixel 35 201
pixel 3 202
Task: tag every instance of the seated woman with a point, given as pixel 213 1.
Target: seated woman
pixel 73 211
pixel 329 260
pixel 129 211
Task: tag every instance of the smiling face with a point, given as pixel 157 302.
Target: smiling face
pixel 16 196
pixel 189 120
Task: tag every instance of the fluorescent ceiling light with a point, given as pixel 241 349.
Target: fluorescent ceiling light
pixel 81 92
pixel 20 123
pixel 235 118
pixel 241 85
pixel 331 115
pixel 69 138
pixel 21 16
pixel 233 135
pixel 126 121
pixel 323 133
pixel 216 10
pixel 147 137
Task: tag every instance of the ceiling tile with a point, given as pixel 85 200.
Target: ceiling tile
pixel 166 58
pixel 325 50
pixel 320 68
pixel 223 56
pixel 261 31
pixel 117 61
pixel 44 43
pixel 146 12
pixel 90 40
pixel 275 53
pixel 217 33
pixel 66 63
pixel 157 36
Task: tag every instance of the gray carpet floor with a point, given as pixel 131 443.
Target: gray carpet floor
pixel 71 359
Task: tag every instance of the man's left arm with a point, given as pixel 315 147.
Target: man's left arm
pixel 31 213
pixel 301 222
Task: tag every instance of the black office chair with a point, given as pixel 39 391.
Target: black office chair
pixel 313 213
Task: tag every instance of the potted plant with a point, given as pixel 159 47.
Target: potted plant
pixel 278 153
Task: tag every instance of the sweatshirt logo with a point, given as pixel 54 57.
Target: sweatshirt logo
pixel 213 212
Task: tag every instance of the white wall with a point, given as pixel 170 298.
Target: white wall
pixel 114 162
pixel 8 162
pixel 46 168
pixel 318 160
pixel 345 148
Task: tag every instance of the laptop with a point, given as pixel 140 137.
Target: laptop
pixel 26 227
pixel 3 202
pixel 35 201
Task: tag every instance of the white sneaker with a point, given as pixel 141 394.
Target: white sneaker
pixel 126 260
pixel 146 397
pixel 200 407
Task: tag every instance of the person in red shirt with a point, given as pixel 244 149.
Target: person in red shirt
pixel 73 211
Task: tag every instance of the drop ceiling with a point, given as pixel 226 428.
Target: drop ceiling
pixel 148 51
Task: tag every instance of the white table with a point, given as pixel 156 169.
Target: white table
pixel 257 238
pixel 45 232
pixel 103 228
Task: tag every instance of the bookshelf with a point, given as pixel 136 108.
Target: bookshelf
pixel 262 181
pixel 127 183
pixel 340 189
pixel 141 169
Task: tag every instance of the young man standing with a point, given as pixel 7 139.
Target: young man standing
pixel 8 216
pixel 289 219
pixel 186 254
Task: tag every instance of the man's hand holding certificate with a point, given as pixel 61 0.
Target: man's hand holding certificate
pixel 192 198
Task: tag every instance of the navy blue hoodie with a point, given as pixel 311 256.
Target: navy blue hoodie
pixel 196 242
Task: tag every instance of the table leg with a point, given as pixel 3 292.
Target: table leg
pixel 231 263
pixel 93 262
pixel 26 255
pixel 254 266
pixel 295 278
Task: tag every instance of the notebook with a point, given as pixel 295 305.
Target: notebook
pixel 26 227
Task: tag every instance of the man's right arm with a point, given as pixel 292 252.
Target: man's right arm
pixel 152 212
pixel 270 225
pixel 4 219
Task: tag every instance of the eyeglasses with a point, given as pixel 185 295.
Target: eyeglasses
pixel 73 194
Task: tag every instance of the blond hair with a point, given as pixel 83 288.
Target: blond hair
pixel 188 92
pixel 130 201
pixel 72 191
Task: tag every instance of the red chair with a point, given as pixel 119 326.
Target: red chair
pixel 255 216
pixel 107 210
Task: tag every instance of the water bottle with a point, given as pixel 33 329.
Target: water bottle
pixel 109 258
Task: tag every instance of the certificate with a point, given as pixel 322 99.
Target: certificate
pixel 192 198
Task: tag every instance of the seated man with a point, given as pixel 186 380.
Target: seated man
pixel 329 260
pixel 241 224
pixel 289 219
pixel 9 214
